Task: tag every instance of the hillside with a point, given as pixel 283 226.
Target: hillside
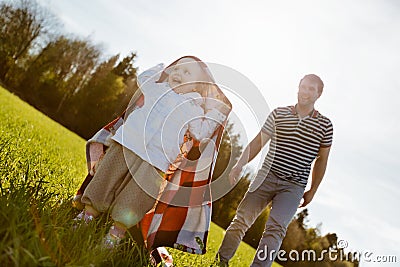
pixel 42 164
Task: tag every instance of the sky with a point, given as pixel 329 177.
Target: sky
pixel 352 45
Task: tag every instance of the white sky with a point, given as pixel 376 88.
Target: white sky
pixel 354 47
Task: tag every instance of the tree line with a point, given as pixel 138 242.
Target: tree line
pixel 66 77
pixel 71 80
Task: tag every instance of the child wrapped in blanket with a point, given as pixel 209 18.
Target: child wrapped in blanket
pixel 128 180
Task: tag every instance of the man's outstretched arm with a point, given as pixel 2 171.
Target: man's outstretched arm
pixel 318 172
pixel 249 153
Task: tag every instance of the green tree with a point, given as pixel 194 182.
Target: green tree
pixel 57 72
pixel 23 25
pixel 52 73
pixel 229 153
pixel 99 100
pixel 125 68
pixel 300 237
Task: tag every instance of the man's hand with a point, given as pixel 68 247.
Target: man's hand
pixel 234 175
pixel 307 197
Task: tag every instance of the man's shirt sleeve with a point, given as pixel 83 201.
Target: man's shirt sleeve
pixel 328 136
pixel 269 125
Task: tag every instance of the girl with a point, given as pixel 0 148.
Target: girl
pixel 151 142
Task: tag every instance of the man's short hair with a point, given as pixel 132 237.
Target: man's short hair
pixel 314 78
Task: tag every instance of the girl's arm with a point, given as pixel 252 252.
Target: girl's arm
pixel 204 126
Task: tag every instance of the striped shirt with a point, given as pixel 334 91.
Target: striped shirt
pixel 295 143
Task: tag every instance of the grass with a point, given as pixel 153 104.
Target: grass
pixel 42 164
pixel 243 256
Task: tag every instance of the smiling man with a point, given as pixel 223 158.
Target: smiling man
pixel 299 135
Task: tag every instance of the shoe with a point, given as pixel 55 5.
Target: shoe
pixel 83 217
pixel 113 237
pixel 161 257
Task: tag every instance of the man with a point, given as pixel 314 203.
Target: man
pixel 299 134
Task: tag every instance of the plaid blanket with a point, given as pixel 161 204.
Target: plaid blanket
pixel 181 218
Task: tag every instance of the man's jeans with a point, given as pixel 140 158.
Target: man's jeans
pixel 285 197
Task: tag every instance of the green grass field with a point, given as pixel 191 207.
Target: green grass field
pixel 42 165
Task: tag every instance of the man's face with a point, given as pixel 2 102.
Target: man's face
pixel 308 92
